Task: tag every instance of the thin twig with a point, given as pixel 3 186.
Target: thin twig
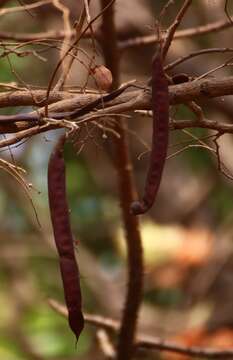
pixel 25 7
pixel 67 63
pixel 194 54
pixel 123 44
pixel 226 11
pixel 205 124
pixel 226 63
pixel 149 342
pixel 164 10
pixel 174 26
pixel 67 39
pixel 67 52
pixel 105 344
pixel 186 33
pixel 197 110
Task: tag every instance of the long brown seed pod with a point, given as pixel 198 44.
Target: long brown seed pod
pixel 63 237
pixel 160 107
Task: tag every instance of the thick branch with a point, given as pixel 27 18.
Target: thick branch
pixel 130 100
pixel 25 98
pixel 126 188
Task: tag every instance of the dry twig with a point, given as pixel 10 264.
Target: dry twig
pixel 149 342
pixel 172 29
pixel 25 7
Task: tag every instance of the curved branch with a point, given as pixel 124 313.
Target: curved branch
pixel 148 342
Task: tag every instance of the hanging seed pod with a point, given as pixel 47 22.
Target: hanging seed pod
pixel 160 107
pixel 103 77
pixel 63 237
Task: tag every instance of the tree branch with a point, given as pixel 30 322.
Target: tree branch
pixel 130 100
pixel 148 342
pixel 126 188
pixel 122 44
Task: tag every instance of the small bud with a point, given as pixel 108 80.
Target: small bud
pixel 104 136
pixel 102 76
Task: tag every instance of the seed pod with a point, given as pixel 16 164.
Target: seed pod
pixel 103 77
pixel 180 78
pixel 63 237
pixel 160 107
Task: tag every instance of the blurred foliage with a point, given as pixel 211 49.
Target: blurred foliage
pixel 29 269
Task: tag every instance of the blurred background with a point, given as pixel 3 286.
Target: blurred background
pixel 187 235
